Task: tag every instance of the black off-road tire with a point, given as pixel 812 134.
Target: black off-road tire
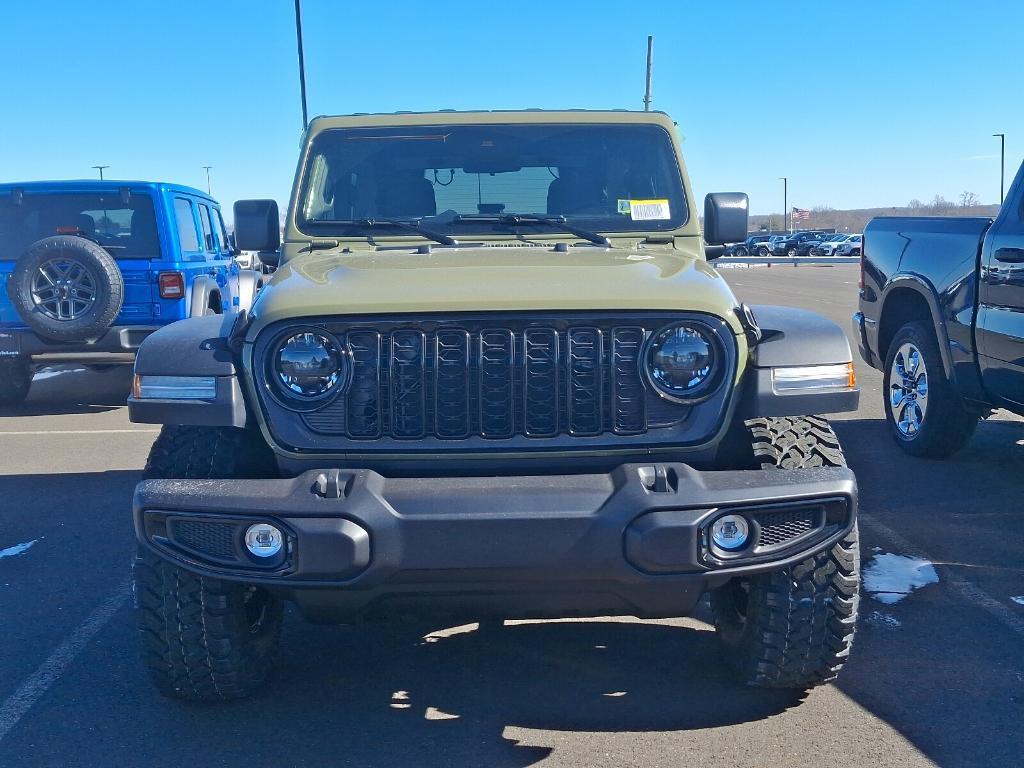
pixel 947 423
pixel 15 380
pixel 793 627
pixel 103 271
pixel 209 453
pixel 204 639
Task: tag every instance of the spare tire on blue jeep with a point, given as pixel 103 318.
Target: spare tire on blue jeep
pixel 66 288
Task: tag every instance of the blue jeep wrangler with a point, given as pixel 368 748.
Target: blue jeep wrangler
pixel 93 267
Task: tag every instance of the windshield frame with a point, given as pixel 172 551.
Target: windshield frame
pixel 343 231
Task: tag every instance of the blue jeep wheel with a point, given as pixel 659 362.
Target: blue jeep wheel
pixel 67 288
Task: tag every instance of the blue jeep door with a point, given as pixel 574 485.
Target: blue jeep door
pixel 192 255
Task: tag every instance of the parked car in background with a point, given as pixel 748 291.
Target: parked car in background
pixel 851 247
pixel 794 244
pixel 93 267
pixel 767 248
pixel 753 244
pixel 827 247
pixel 942 316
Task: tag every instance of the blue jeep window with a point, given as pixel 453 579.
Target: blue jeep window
pixel 204 219
pixel 221 232
pixel 187 234
pixel 125 229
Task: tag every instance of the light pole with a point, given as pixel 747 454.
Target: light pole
pixel 785 203
pixel 100 169
pixel 207 169
pixel 1002 165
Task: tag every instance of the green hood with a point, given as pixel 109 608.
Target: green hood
pixel 502 278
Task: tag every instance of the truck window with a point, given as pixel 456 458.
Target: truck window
pixel 204 219
pixel 186 225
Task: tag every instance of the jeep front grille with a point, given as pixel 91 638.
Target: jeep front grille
pixel 490 377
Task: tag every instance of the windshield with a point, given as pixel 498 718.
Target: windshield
pixel 612 178
pixel 126 230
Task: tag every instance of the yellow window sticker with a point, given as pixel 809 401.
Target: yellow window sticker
pixel 649 210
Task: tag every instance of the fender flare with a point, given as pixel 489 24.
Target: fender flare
pixel 927 291
pixel 195 347
pixel 203 288
pixel 792 338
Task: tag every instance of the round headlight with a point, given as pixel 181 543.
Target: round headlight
pixel 308 367
pixel 682 362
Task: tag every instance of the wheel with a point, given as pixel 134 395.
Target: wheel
pixel 762 251
pixel 66 288
pixel 740 251
pixel 792 627
pixel 204 639
pixel 15 380
pixel 925 414
pixel 791 252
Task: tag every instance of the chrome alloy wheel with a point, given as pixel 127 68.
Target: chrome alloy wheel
pixel 63 289
pixel 908 390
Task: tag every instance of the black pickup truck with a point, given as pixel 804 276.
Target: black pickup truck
pixel 942 316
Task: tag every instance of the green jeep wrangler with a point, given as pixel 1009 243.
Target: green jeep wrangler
pixel 494 376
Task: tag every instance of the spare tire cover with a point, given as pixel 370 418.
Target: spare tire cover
pixel 66 288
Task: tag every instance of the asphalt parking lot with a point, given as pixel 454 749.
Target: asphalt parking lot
pixel 936 677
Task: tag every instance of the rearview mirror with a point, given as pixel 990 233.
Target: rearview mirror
pixel 257 225
pixel 725 217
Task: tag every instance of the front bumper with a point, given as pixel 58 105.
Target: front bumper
pixel 360 545
pixel 118 342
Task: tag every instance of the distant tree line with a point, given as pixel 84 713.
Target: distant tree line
pixel 826 217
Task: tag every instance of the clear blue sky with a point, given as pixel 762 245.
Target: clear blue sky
pixel 859 104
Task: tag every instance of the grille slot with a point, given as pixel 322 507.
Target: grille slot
pixel 213 539
pixel 779 527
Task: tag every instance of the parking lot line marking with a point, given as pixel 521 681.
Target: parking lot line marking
pixel 19 702
pixel 967 590
pixel 80 432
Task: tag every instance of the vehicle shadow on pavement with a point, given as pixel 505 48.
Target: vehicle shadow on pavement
pixel 66 391
pixel 397 696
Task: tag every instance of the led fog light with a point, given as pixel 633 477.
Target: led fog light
pixel 730 532
pixel 263 540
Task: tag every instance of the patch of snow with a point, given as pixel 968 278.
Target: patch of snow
pixel 1019 599
pixel 891 577
pixel 17 549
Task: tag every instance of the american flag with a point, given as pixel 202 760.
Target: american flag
pixel 801 214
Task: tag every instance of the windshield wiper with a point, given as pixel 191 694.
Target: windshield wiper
pixel 559 222
pixel 408 226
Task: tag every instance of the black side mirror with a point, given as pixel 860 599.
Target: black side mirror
pixel 725 217
pixel 257 225
pixel 235 250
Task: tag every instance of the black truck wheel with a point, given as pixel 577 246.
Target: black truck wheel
pixel 926 415
pixel 204 639
pixel 793 627
pixel 66 288
pixel 15 380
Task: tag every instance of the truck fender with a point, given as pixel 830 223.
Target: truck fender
pixel 203 287
pixel 927 292
pixel 195 347
pixel 249 284
pixel 792 338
